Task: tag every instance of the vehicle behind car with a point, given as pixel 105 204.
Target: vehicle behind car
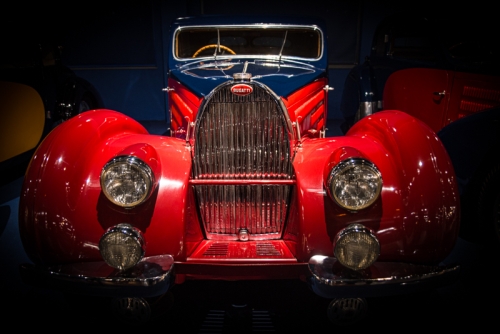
pixel 439 69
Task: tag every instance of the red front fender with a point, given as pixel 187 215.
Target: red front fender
pixel 63 212
pixel 417 216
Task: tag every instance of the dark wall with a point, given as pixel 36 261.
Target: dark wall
pixel 120 46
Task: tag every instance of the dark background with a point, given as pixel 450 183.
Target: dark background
pixel 121 46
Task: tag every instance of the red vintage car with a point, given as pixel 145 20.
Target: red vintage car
pixel 245 186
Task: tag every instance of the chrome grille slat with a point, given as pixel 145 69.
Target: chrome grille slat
pixel 259 208
pixel 242 138
pixel 237 138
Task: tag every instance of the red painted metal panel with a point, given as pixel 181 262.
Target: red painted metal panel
pixel 308 107
pixel 472 93
pixel 439 97
pixel 423 93
pixel 183 107
pixel 69 226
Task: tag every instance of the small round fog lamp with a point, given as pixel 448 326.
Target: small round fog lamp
pixel 122 246
pixel 356 247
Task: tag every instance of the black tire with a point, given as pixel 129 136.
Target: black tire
pixel 481 207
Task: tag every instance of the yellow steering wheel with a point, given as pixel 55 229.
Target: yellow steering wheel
pixel 212 46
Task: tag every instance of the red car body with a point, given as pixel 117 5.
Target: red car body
pixel 438 96
pixel 243 186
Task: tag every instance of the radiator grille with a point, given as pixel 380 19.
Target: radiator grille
pixel 242 138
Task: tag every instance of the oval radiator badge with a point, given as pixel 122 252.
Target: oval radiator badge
pixel 241 89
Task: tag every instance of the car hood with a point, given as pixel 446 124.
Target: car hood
pixel 282 76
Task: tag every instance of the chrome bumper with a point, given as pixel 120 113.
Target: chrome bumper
pixel 149 278
pixel 331 280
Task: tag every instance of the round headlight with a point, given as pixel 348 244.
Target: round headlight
pixel 122 246
pixel 354 183
pixel 126 181
pixel 355 247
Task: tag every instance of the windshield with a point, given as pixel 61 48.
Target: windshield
pixel 300 42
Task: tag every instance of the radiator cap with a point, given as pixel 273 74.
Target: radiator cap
pixel 242 76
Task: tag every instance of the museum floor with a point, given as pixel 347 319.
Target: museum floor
pixel 246 306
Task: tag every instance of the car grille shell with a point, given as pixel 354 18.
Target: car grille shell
pixel 242 152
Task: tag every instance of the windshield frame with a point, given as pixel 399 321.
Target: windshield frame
pixel 276 56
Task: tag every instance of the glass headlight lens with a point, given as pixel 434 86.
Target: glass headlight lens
pixel 122 246
pixel 355 247
pixel 126 181
pixel 355 184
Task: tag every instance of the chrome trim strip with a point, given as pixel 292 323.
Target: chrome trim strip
pixel 150 277
pixel 241 181
pixel 330 279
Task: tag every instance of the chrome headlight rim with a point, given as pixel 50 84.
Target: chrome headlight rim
pixel 351 235
pixel 132 162
pixel 341 169
pixel 127 236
